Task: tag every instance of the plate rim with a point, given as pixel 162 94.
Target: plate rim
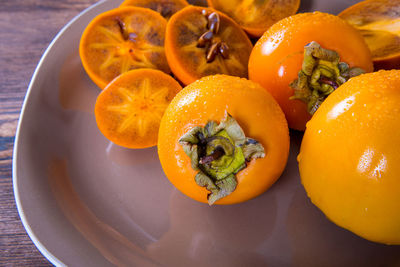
pixel 43 250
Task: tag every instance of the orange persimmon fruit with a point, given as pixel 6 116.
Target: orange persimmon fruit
pixel 379 23
pixel 207 133
pixel 278 61
pixel 201 41
pixel 349 156
pixel 129 110
pixel 255 17
pixel 165 7
pixel 122 39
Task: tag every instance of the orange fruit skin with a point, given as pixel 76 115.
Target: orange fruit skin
pixel 129 110
pixel 256 112
pixel 278 55
pixel 145 49
pixel 349 157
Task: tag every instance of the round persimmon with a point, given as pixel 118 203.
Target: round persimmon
pixel 129 110
pixel 255 17
pixel 223 140
pixel 301 59
pixel 349 156
pixel 123 39
pixel 165 7
pixel 378 21
pixel 201 41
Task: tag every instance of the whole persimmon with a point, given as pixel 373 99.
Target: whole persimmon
pixel 349 156
pixel 223 140
pixel 301 59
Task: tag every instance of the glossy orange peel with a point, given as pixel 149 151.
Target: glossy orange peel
pixel 349 156
pixel 210 99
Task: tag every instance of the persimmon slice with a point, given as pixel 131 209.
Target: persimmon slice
pixel 201 41
pixel 256 16
pixel 129 110
pixel 123 39
pixel 165 7
pixel 379 23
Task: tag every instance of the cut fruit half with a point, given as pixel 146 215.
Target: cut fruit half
pixel 256 16
pixel 379 23
pixel 201 41
pixel 123 39
pixel 129 110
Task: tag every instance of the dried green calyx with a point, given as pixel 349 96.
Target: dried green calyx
pixel 321 74
pixel 218 152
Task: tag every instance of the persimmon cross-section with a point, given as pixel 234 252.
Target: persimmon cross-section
pixel 139 106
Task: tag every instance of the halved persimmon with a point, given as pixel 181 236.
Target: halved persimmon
pixel 223 140
pixel 123 39
pixel 165 7
pixel 301 59
pixel 201 41
pixel 129 110
pixel 255 17
pixel 379 23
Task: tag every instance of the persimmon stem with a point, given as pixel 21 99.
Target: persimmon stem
pixel 218 152
pixel 320 75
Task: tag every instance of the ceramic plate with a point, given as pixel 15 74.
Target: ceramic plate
pixel 87 202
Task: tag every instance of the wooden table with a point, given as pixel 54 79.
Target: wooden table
pixel 26 29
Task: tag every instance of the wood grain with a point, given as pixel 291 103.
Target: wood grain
pixel 26 29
